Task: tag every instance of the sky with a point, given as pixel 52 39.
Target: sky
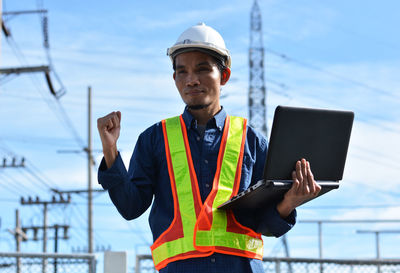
pixel 321 54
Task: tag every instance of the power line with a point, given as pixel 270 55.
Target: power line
pixel 335 75
pixel 56 106
pixel 6 149
pixel 8 187
pixel 33 182
pixel 80 218
pixel 351 207
pixel 78 211
pixel 138 233
pixel 38 179
pixel 18 185
pixel 366 38
pixel 10 200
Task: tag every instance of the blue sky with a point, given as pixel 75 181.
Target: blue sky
pixel 326 54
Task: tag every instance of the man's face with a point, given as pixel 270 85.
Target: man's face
pixel 198 80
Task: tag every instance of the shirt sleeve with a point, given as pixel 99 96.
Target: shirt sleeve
pixel 131 191
pixel 268 221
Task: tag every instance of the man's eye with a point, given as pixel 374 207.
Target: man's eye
pixel 204 69
pixel 181 71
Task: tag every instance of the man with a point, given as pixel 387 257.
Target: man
pixel 193 163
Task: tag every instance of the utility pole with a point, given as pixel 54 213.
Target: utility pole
pixel 89 191
pixel 320 222
pixel 257 91
pixel 24 69
pixel 77 191
pixel 46 69
pixel 45 204
pixel 56 227
pixel 90 164
pixel 19 235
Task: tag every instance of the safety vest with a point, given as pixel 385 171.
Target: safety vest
pixel 198 229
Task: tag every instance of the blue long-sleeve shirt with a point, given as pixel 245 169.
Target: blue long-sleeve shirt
pixel 132 191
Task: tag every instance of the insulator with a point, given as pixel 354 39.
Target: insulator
pixel 35 234
pixel 66 232
pixel 45 32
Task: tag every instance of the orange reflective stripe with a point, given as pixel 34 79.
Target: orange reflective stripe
pixel 216 236
pixel 177 231
pixel 177 221
pixel 176 242
pixel 204 221
pixel 198 230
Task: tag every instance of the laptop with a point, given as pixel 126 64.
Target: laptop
pixel 318 135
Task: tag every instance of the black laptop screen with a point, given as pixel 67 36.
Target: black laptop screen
pixel 320 136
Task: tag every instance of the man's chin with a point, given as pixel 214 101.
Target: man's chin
pixel 198 106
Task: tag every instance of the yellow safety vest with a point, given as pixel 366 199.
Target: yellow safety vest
pixel 198 229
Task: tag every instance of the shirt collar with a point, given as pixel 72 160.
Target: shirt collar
pixel 217 121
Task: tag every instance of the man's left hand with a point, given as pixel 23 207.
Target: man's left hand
pixel 304 188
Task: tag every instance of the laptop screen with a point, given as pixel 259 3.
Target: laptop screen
pixel 320 136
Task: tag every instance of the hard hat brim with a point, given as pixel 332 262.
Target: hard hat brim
pixel 223 59
pixel 207 48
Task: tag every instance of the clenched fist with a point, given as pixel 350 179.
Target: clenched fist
pixel 109 128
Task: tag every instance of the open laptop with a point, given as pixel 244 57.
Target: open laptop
pixel 320 136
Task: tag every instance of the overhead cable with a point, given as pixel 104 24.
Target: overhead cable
pixel 335 75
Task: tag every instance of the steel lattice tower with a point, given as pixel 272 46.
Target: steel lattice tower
pixel 257 91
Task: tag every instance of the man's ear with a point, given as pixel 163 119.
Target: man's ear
pixel 174 75
pixel 225 75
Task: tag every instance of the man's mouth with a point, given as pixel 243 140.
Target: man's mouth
pixel 194 91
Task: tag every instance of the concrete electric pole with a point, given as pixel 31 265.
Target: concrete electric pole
pixel 45 205
pixel 20 236
pixel 46 69
pixel 90 164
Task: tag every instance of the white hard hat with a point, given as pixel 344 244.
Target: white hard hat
pixel 201 36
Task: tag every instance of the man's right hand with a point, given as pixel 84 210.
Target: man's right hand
pixel 109 128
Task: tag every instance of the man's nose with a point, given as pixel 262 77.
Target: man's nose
pixel 192 79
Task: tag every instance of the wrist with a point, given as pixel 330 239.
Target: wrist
pixel 110 154
pixel 285 208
